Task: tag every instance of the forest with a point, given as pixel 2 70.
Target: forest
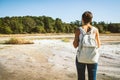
pixel 46 24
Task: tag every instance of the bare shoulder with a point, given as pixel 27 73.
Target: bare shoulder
pixel 95 30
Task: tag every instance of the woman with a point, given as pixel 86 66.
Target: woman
pixel 81 66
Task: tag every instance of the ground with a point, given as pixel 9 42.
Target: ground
pixel 50 58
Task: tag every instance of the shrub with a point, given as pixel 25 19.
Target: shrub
pixel 18 41
pixel 107 32
pixel 65 40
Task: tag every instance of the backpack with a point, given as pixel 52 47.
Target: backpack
pixel 87 50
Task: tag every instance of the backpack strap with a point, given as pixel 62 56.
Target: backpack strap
pixel 83 34
pixel 82 31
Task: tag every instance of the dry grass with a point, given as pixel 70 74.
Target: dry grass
pixel 15 40
pixel 65 40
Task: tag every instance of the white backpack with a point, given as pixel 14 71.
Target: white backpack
pixel 87 50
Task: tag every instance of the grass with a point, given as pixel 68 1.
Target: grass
pixel 65 40
pixel 15 40
pixel 108 32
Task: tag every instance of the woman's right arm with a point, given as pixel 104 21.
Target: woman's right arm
pixel 76 38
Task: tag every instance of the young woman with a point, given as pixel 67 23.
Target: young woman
pixel 81 66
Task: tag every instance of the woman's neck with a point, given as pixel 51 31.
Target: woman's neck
pixel 87 27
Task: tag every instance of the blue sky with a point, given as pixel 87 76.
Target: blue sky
pixel 67 10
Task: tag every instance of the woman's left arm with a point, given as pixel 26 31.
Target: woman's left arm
pixel 98 39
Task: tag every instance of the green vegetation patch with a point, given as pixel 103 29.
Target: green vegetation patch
pixel 65 40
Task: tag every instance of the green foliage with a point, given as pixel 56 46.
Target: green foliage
pixel 114 27
pixel 58 25
pixel 44 24
pixel 7 30
pixel 100 28
pixel 38 29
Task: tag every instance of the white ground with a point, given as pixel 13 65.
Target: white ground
pixel 53 60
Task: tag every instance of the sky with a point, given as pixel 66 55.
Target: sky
pixel 67 10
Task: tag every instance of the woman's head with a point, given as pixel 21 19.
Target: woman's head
pixel 87 17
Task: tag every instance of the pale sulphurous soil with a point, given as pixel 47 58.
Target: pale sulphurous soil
pixel 50 58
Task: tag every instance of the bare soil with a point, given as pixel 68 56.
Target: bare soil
pixel 49 58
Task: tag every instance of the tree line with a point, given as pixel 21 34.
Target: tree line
pixel 46 24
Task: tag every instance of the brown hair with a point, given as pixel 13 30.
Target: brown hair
pixel 87 17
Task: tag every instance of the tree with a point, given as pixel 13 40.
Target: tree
pixel 29 24
pixel 114 28
pixel 38 29
pixel 100 28
pixel 48 25
pixel 77 23
pixel 94 23
pixel 16 25
pixel 45 24
pixel 58 25
pixel 7 30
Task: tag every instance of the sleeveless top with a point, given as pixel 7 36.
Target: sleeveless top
pixel 89 57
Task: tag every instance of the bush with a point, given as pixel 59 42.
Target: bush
pixel 107 32
pixel 65 40
pixel 18 41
